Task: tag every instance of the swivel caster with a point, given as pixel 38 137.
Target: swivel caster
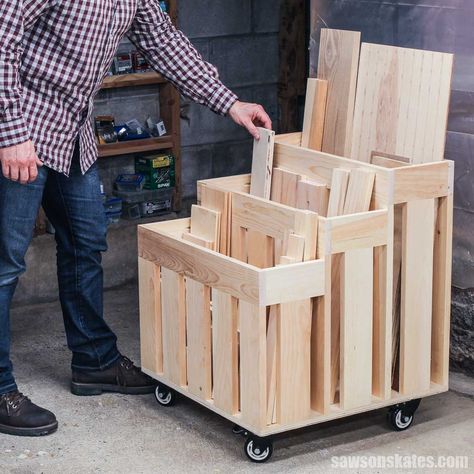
pixel 400 417
pixel 258 450
pixel 238 430
pixel 165 396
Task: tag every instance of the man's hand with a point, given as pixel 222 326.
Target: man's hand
pixel 250 116
pixel 20 162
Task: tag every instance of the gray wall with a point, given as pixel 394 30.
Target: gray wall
pixel 241 38
pixel 439 25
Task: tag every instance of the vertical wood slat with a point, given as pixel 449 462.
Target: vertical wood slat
pixel 253 364
pixel 198 330
pixel 443 250
pixel 294 361
pixel 151 342
pixel 356 329
pixel 416 296
pixel 338 64
pixel 225 352
pixel 383 314
pixel 321 347
pixel 173 303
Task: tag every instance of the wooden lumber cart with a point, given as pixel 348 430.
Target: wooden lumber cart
pixel 318 286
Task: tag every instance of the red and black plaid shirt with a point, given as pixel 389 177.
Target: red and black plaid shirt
pixel 54 55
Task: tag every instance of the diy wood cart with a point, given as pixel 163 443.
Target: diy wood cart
pixel 333 297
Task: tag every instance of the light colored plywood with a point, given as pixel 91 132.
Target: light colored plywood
pixel 416 296
pixel 198 330
pixel 402 103
pixel 262 164
pixel 294 366
pixel 225 351
pixel 174 326
pixel 259 249
pixel 338 64
pixel 312 196
pixel 316 165
pixel 207 267
pixel 443 249
pixel 357 199
pixel 198 241
pixel 424 181
pixel 253 364
pixel 356 329
pixel 271 218
pixel 343 233
pixel 307 281
pixel 321 347
pixel 151 342
pixel 314 114
pixel 293 138
pixel 337 196
pixel 272 352
pixel 359 191
pixel 285 188
pixel 205 223
pixel 219 200
pixel 383 307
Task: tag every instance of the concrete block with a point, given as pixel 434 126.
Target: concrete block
pixel 201 126
pixel 266 16
pixel 209 18
pixel 376 20
pixel 246 60
pixel 196 164
pixel 232 158
pixel 267 96
pixel 463 249
pixel 460 148
pixel 461 114
pixel 426 28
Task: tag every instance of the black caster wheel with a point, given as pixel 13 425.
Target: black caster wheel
pixel 400 417
pixel 238 430
pixel 258 450
pixel 165 396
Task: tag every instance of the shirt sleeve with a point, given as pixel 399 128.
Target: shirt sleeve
pixel 172 54
pixel 13 129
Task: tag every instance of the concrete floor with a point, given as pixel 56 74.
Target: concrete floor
pixel 125 434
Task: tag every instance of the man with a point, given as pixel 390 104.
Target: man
pixel 54 55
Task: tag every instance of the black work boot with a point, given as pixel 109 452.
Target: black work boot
pixel 122 377
pixel 20 416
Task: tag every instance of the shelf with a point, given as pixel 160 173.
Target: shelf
pixel 130 80
pixel 135 146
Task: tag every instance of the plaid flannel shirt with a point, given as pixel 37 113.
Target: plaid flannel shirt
pixel 54 55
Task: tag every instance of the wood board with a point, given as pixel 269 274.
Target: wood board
pixel 338 65
pixel 314 114
pixel 262 164
pixel 402 103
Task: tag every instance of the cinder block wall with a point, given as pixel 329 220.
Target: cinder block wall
pixel 241 38
pixel 437 25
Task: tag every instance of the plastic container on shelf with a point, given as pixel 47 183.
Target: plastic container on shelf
pixel 130 182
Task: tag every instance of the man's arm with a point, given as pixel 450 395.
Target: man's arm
pixel 18 158
pixel 172 54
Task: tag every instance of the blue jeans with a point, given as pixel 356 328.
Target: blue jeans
pixel 73 205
